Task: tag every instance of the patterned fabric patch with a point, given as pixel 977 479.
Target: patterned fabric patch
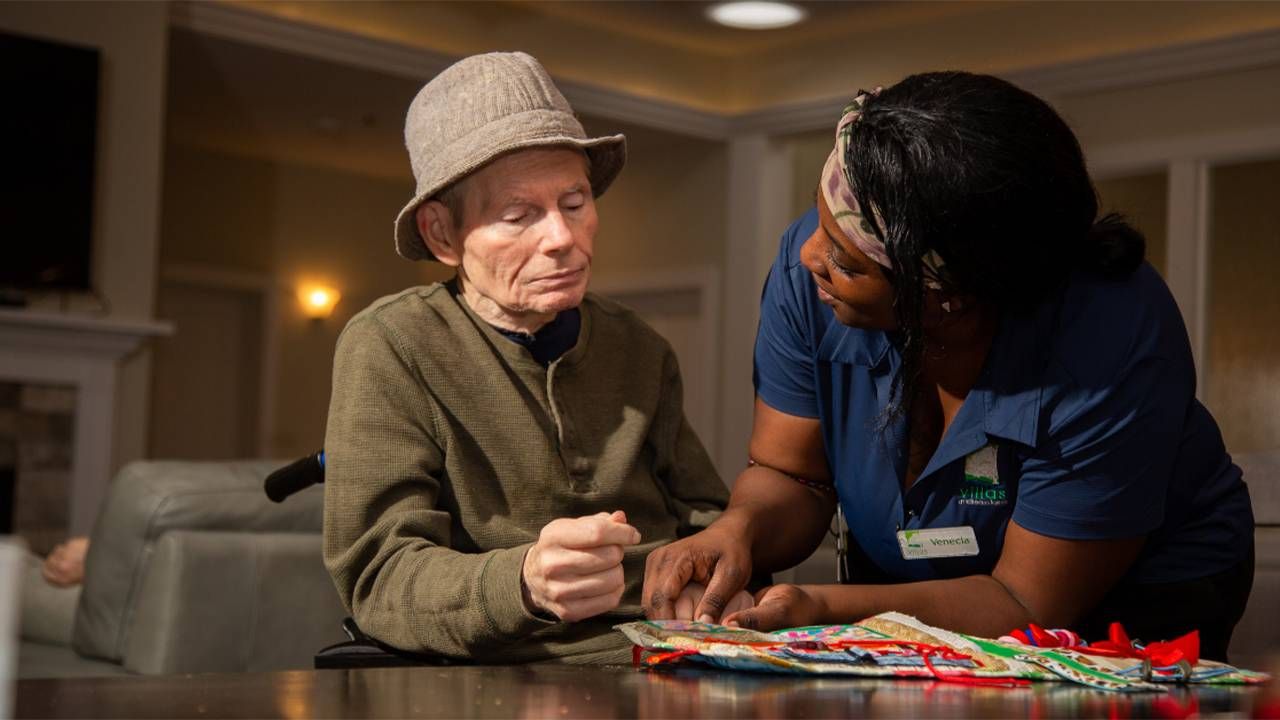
pixel 896 645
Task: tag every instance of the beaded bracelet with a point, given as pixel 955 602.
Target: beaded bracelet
pixel 827 488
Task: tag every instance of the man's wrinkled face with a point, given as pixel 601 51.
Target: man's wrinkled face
pixel 528 226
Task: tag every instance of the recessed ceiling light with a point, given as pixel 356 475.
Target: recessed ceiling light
pixel 756 14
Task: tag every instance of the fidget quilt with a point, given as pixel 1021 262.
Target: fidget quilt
pixel 896 645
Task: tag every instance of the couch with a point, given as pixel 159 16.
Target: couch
pixel 190 569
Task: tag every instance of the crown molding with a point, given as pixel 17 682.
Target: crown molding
pixel 791 118
pixel 1219 148
pixel 243 25
pixel 1106 73
pixel 1145 67
pixel 1113 72
pixel 660 114
pixel 247 26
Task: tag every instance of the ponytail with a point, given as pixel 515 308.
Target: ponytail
pixel 1114 248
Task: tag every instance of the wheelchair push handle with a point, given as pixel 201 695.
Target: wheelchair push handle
pixel 295 477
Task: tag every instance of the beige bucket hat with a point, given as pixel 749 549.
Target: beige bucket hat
pixel 479 108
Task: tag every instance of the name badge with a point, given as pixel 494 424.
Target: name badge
pixel 937 543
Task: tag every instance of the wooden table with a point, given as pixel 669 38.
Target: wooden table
pixel 557 691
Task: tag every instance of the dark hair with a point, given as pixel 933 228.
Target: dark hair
pixel 992 179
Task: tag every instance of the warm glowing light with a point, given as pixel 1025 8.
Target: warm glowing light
pixel 756 14
pixel 317 300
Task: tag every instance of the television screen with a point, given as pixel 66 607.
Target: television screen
pixel 48 128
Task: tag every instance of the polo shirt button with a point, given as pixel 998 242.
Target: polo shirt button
pixel 911 513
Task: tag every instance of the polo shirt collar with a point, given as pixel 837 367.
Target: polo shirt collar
pixel 1005 402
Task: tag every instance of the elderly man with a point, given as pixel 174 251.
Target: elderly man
pixel 504 449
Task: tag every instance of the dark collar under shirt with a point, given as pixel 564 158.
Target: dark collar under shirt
pixel 551 340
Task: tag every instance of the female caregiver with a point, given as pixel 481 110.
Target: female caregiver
pixel 995 387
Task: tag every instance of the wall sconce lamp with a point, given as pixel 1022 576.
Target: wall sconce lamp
pixel 318 301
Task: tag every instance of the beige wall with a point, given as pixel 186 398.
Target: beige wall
pixel 666 209
pixel 1226 102
pixel 132 38
pixel 809 152
pixel 293 224
pixel 1243 388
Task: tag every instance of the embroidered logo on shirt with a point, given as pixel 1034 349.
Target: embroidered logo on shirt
pixel 981 484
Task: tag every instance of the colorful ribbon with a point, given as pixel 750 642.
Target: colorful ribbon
pixel 1160 654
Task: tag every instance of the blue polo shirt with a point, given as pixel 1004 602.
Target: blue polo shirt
pixel 1083 425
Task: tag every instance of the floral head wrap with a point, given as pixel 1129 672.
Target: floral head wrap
pixel 837 190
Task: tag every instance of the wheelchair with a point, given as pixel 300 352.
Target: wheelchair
pixel 360 650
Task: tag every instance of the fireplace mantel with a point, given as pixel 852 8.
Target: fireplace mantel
pixel 81 351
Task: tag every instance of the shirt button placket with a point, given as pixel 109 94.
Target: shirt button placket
pixel 577 467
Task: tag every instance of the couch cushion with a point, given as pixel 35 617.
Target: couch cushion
pixel 42 660
pixel 149 498
pixel 48 611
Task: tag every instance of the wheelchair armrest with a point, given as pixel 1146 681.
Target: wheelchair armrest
pixel 362 651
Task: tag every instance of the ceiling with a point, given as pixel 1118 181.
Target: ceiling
pixel 252 100
pixel 247 100
pixel 669 51
pixel 683 23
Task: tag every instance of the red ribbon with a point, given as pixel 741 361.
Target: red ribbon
pixel 1161 654
pixel 1037 636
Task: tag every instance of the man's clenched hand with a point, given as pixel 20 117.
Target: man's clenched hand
pixel 574 571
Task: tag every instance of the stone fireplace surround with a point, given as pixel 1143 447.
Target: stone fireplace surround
pixel 82 352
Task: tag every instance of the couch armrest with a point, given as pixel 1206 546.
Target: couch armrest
pixel 147 500
pixel 233 602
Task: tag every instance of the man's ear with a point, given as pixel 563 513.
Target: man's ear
pixel 435 224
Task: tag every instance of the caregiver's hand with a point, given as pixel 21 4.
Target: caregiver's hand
pixel 716 557
pixel 781 606
pixel 692 594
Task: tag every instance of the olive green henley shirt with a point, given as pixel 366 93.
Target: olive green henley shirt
pixel 449 448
